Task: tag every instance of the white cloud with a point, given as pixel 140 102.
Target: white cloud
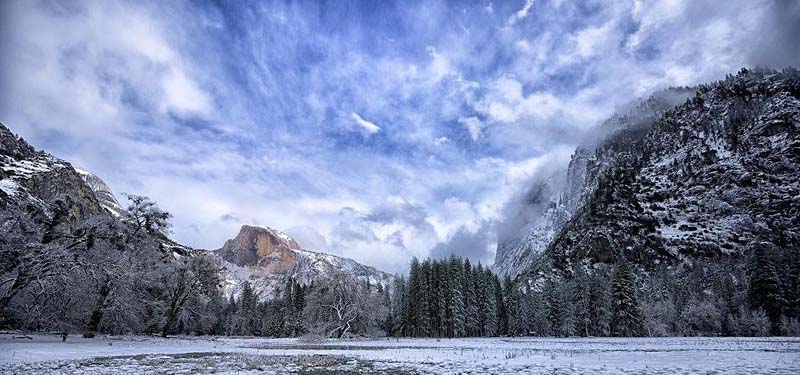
pixel 595 40
pixel 474 127
pixel 369 127
pixel 520 14
pixel 183 96
pixel 308 238
pixel 440 66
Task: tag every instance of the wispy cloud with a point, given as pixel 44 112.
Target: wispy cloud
pixel 368 126
pixel 520 14
pixel 241 106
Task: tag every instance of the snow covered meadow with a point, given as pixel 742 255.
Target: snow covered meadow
pixel 105 355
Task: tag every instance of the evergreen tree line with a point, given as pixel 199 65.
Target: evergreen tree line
pixel 755 295
pixel 448 298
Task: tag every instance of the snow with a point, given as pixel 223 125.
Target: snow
pixel 29 167
pixel 282 235
pixel 277 233
pixel 47 354
pixel 82 172
pixel 24 169
pixel 114 209
pixel 8 186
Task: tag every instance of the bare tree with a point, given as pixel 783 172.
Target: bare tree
pixel 187 278
pixel 342 305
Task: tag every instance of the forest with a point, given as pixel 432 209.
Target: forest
pixel 121 276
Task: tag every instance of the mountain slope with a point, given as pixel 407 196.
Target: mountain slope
pixel 46 191
pixel 707 178
pixel 103 193
pixel 553 197
pixel 267 257
pixel 37 184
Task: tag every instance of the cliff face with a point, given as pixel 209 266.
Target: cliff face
pixel 707 178
pixel 103 192
pixel 267 257
pixel 549 204
pixel 262 247
pixel 37 184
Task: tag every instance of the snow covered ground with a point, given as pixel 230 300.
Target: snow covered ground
pixel 106 355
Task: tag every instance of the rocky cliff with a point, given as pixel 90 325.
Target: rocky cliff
pixel 267 257
pixel 261 247
pixel 37 184
pixel 706 178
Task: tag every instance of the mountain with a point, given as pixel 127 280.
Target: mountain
pixel 260 247
pixel 103 193
pixel 38 185
pixel 267 257
pixel 665 183
pixel 48 190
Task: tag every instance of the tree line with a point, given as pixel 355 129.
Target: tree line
pixel 753 295
pixel 122 275
pixel 102 274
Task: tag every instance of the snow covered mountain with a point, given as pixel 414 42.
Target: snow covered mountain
pixel 38 185
pixel 46 189
pixel 267 257
pixel 672 183
pixel 103 193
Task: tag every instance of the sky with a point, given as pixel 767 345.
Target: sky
pixel 375 130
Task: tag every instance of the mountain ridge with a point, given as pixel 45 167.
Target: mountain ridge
pixel 266 257
pixel 39 184
pixel 703 179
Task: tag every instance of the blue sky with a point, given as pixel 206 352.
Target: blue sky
pixel 376 130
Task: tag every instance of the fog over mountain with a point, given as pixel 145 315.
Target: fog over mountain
pixel 372 132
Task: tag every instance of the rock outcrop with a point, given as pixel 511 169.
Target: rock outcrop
pixel 267 257
pixel 263 247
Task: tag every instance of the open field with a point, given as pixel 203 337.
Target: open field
pixel 106 355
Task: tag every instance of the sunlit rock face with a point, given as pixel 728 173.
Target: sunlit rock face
pixel 262 247
pixel 267 258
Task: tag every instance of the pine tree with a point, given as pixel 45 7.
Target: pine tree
pixel 230 316
pixel 581 302
pixel 766 290
pixel 247 315
pixel 388 323
pixel 414 295
pixel 488 302
pixel 472 322
pixel 627 315
pixel 456 302
pixel 500 306
pixel 444 292
pixel 423 305
pixel 482 303
pixel 400 307
pixel 289 313
pixel 554 308
pixel 513 300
